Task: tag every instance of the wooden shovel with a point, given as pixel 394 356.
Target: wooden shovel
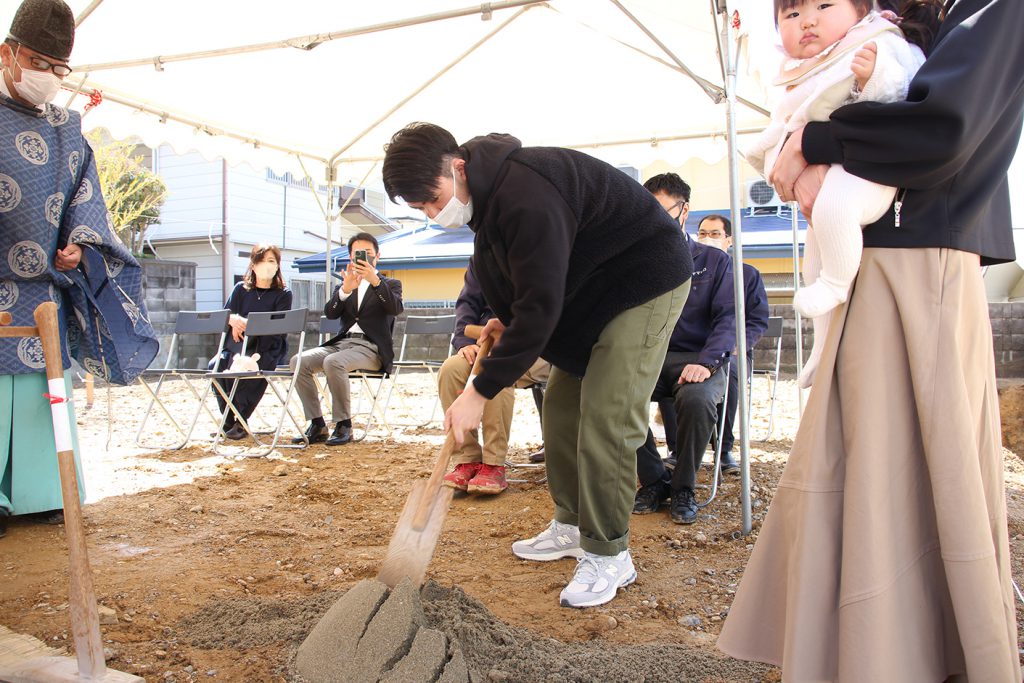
pixel 419 526
pixel 85 622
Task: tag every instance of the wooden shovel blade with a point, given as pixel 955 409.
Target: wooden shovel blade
pixel 411 549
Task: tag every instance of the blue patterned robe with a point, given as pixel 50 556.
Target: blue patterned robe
pixel 49 197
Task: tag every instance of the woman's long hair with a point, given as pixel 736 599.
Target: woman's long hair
pixel 255 256
pixel 919 19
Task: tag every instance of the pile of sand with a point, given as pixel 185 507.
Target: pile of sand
pixel 440 635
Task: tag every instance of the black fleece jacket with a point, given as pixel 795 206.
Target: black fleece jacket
pixel 949 145
pixel 564 243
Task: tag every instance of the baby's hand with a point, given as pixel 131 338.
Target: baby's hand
pixel 864 64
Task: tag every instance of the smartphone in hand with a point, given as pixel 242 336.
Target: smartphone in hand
pixel 359 255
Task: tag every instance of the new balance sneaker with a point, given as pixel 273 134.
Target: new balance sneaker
pixel 489 479
pixel 459 477
pixel 557 541
pixel 597 579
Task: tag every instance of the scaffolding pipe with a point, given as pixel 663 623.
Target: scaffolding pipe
pixel 737 271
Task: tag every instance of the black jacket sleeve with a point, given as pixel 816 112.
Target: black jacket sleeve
pixel 954 101
pixel 470 308
pixel 537 229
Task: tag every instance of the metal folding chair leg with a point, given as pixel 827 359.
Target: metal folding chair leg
pixel 719 435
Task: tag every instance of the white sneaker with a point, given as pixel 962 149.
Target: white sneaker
pixel 597 579
pixel 557 541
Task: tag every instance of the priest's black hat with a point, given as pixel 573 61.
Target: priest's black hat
pixel 46 26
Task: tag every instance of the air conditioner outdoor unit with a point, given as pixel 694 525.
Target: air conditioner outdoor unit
pixel 761 195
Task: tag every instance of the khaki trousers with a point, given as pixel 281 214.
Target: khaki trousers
pixel 336 361
pixel 594 424
pixel 497 418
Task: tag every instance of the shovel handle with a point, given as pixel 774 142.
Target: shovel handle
pixel 441 464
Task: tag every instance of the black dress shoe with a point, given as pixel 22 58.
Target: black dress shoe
pixel 236 433
pixel 315 433
pixel 730 466
pixel 650 497
pixel 341 435
pixel 538 456
pixel 683 508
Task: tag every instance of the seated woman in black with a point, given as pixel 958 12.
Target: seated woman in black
pixel 262 289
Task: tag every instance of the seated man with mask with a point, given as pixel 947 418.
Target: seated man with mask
pixel 715 230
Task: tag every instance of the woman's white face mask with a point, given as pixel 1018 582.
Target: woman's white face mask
pixel 265 271
pixel 37 87
pixel 455 214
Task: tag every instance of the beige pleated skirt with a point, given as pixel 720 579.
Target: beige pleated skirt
pixel 884 556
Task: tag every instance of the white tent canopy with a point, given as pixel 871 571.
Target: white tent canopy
pixel 271 83
pixel 319 86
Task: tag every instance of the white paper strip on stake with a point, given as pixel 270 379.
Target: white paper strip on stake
pixel 59 410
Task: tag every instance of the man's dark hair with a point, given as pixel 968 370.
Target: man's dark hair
pixel 363 237
pixel 726 223
pixel 669 183
pixel 414 160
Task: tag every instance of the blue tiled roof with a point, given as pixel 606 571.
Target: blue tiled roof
pixel 764 236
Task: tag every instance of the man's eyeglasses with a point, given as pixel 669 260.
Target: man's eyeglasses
pixel 712 234
pixel 40 64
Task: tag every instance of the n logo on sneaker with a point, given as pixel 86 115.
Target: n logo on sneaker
pixel 565 540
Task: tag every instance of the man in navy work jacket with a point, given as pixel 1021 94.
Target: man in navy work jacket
pixel 716 231
pixel 700 343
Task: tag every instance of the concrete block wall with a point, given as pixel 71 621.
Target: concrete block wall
pixel 169 287
pixel 1007 339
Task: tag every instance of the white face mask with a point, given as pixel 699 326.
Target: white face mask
pixel 38 87
pixel 709 242
pixel 265 271
pixel 455 214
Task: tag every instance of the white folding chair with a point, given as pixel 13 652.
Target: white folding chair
pixel 371 385
pixel 189 323
pixel 260 325
pixel 773 333
pixel 420 325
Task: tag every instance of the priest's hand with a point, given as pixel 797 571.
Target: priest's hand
pixel 68 258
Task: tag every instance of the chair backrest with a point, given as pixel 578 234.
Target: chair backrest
pixel 427 324
pixel 328 327
pixel 430 324
pixel 276 322
pixel 774 327
pixel 202 322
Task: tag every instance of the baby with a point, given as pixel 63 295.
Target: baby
pixel 839 51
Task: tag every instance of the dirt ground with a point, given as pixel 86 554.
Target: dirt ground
pixel 217 567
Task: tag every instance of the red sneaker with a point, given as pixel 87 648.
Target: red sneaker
pixel 460 476
pixel 489 479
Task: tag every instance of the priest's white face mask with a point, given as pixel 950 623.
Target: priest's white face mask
pixel 37 87
pixel 455 214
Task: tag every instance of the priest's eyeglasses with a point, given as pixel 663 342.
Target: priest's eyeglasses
pixel 41 64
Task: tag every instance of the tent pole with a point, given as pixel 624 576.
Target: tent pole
pixel 84 14
pixel 417 91
pixel 737 267
pixel 333 173
pixel 796 288
pixel 710 90
pixel 308 42
pixel 331 176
